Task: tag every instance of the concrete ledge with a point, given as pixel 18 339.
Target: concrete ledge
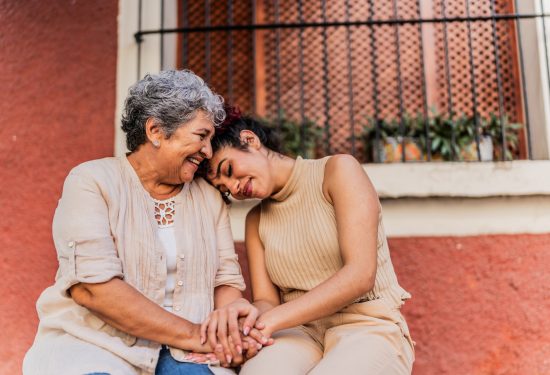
pixel 473 180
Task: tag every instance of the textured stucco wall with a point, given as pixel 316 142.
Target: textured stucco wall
pixel 480 304
pixel 57 103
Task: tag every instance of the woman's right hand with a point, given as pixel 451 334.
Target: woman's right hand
pixel 223 323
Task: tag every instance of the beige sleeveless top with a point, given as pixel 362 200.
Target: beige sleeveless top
pixel 298 230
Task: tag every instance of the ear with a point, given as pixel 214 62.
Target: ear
pixel 250 138
pixel 153 131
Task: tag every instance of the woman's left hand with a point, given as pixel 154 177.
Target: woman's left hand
pixel 224 322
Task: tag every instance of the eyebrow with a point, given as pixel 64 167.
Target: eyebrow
pixel 218 171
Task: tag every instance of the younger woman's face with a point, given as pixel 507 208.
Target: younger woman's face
pixel 244 174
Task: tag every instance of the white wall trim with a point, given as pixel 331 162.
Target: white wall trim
pixel 473 180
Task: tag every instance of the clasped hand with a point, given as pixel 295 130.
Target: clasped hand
pixel 234 333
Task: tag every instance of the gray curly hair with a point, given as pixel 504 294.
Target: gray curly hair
pixel 172 98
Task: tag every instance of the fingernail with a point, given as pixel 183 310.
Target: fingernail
pixel 228 357
pixel 259 346
pixel 246 330
pixel 264 340
pixel 239 349
pixel 218 348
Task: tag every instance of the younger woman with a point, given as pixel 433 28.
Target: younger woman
pixel 321 272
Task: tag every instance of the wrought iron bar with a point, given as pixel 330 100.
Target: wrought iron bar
pixel 161 35
pixel 523 85
pixel 294 25
pixel 185 37
pixel 499 83
pixel 424 87
pixel 399 84
pixel 374 73
pixel 278 68
pixel 473 81
pixel 139 39
pixel 230 52
pixel 545 46
pixel 448 81
pixel 350 80
pixel 326 80
pixel 207 52
pixel 301 78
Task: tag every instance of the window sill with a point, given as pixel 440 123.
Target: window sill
pixel 461 180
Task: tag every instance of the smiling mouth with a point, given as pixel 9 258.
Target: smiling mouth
pixel 195 161
pixel 247 190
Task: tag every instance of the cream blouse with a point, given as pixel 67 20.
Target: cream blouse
pixel 104 227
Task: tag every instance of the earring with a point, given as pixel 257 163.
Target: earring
pixel 156 143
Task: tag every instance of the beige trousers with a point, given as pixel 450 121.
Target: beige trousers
pixel 363 338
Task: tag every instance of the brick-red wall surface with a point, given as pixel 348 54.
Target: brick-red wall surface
pixel 480 304
pixel 57 104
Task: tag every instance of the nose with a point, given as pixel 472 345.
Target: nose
pixel 233 187
pixel 206 150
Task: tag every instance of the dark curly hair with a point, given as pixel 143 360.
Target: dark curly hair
pixel 228 133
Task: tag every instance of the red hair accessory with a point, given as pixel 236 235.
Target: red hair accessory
pixel 232 115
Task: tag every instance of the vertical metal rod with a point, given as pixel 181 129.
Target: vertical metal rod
pixel 230 52
pixel 207 47
pixel 140 40
pixel 254 40
pixel 278 67
pixel 499 83
pixel 162 35
pixel 185 38
pixel 301 73
pixel 448 79
pixel 326 80
pixel 523 84
pixel 399 85
pixel 543 19
pixel 350 80
pixel 473 80
pixel 374 73
pixel 424 88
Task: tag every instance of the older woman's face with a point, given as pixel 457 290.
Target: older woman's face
pixel 180 155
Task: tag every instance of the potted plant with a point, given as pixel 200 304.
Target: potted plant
pixel 492 128
pixel 384 140
pixel 297 137
pixel 454 139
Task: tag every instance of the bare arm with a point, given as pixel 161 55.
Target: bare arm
pixel 123 307
pixel 265 294
pixel 356 207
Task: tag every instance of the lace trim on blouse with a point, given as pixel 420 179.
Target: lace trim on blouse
pixel 164 212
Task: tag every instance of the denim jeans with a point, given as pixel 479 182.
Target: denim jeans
pixel 169 366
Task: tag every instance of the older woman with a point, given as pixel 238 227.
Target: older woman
pixel 145 252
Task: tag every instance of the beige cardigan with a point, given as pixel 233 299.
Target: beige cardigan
pixel 104 227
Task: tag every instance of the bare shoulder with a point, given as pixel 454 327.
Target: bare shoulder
pixel 342 164
pixel 345 175
pixel 253 216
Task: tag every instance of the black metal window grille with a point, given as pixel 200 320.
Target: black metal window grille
pixel 353 74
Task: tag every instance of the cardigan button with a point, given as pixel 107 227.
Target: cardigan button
pixel 180 283
pixel 71 244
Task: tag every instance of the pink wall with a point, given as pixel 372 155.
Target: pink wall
pixel 479 304
pixel 57 103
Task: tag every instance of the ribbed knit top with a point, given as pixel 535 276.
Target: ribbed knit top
pixel 298 230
